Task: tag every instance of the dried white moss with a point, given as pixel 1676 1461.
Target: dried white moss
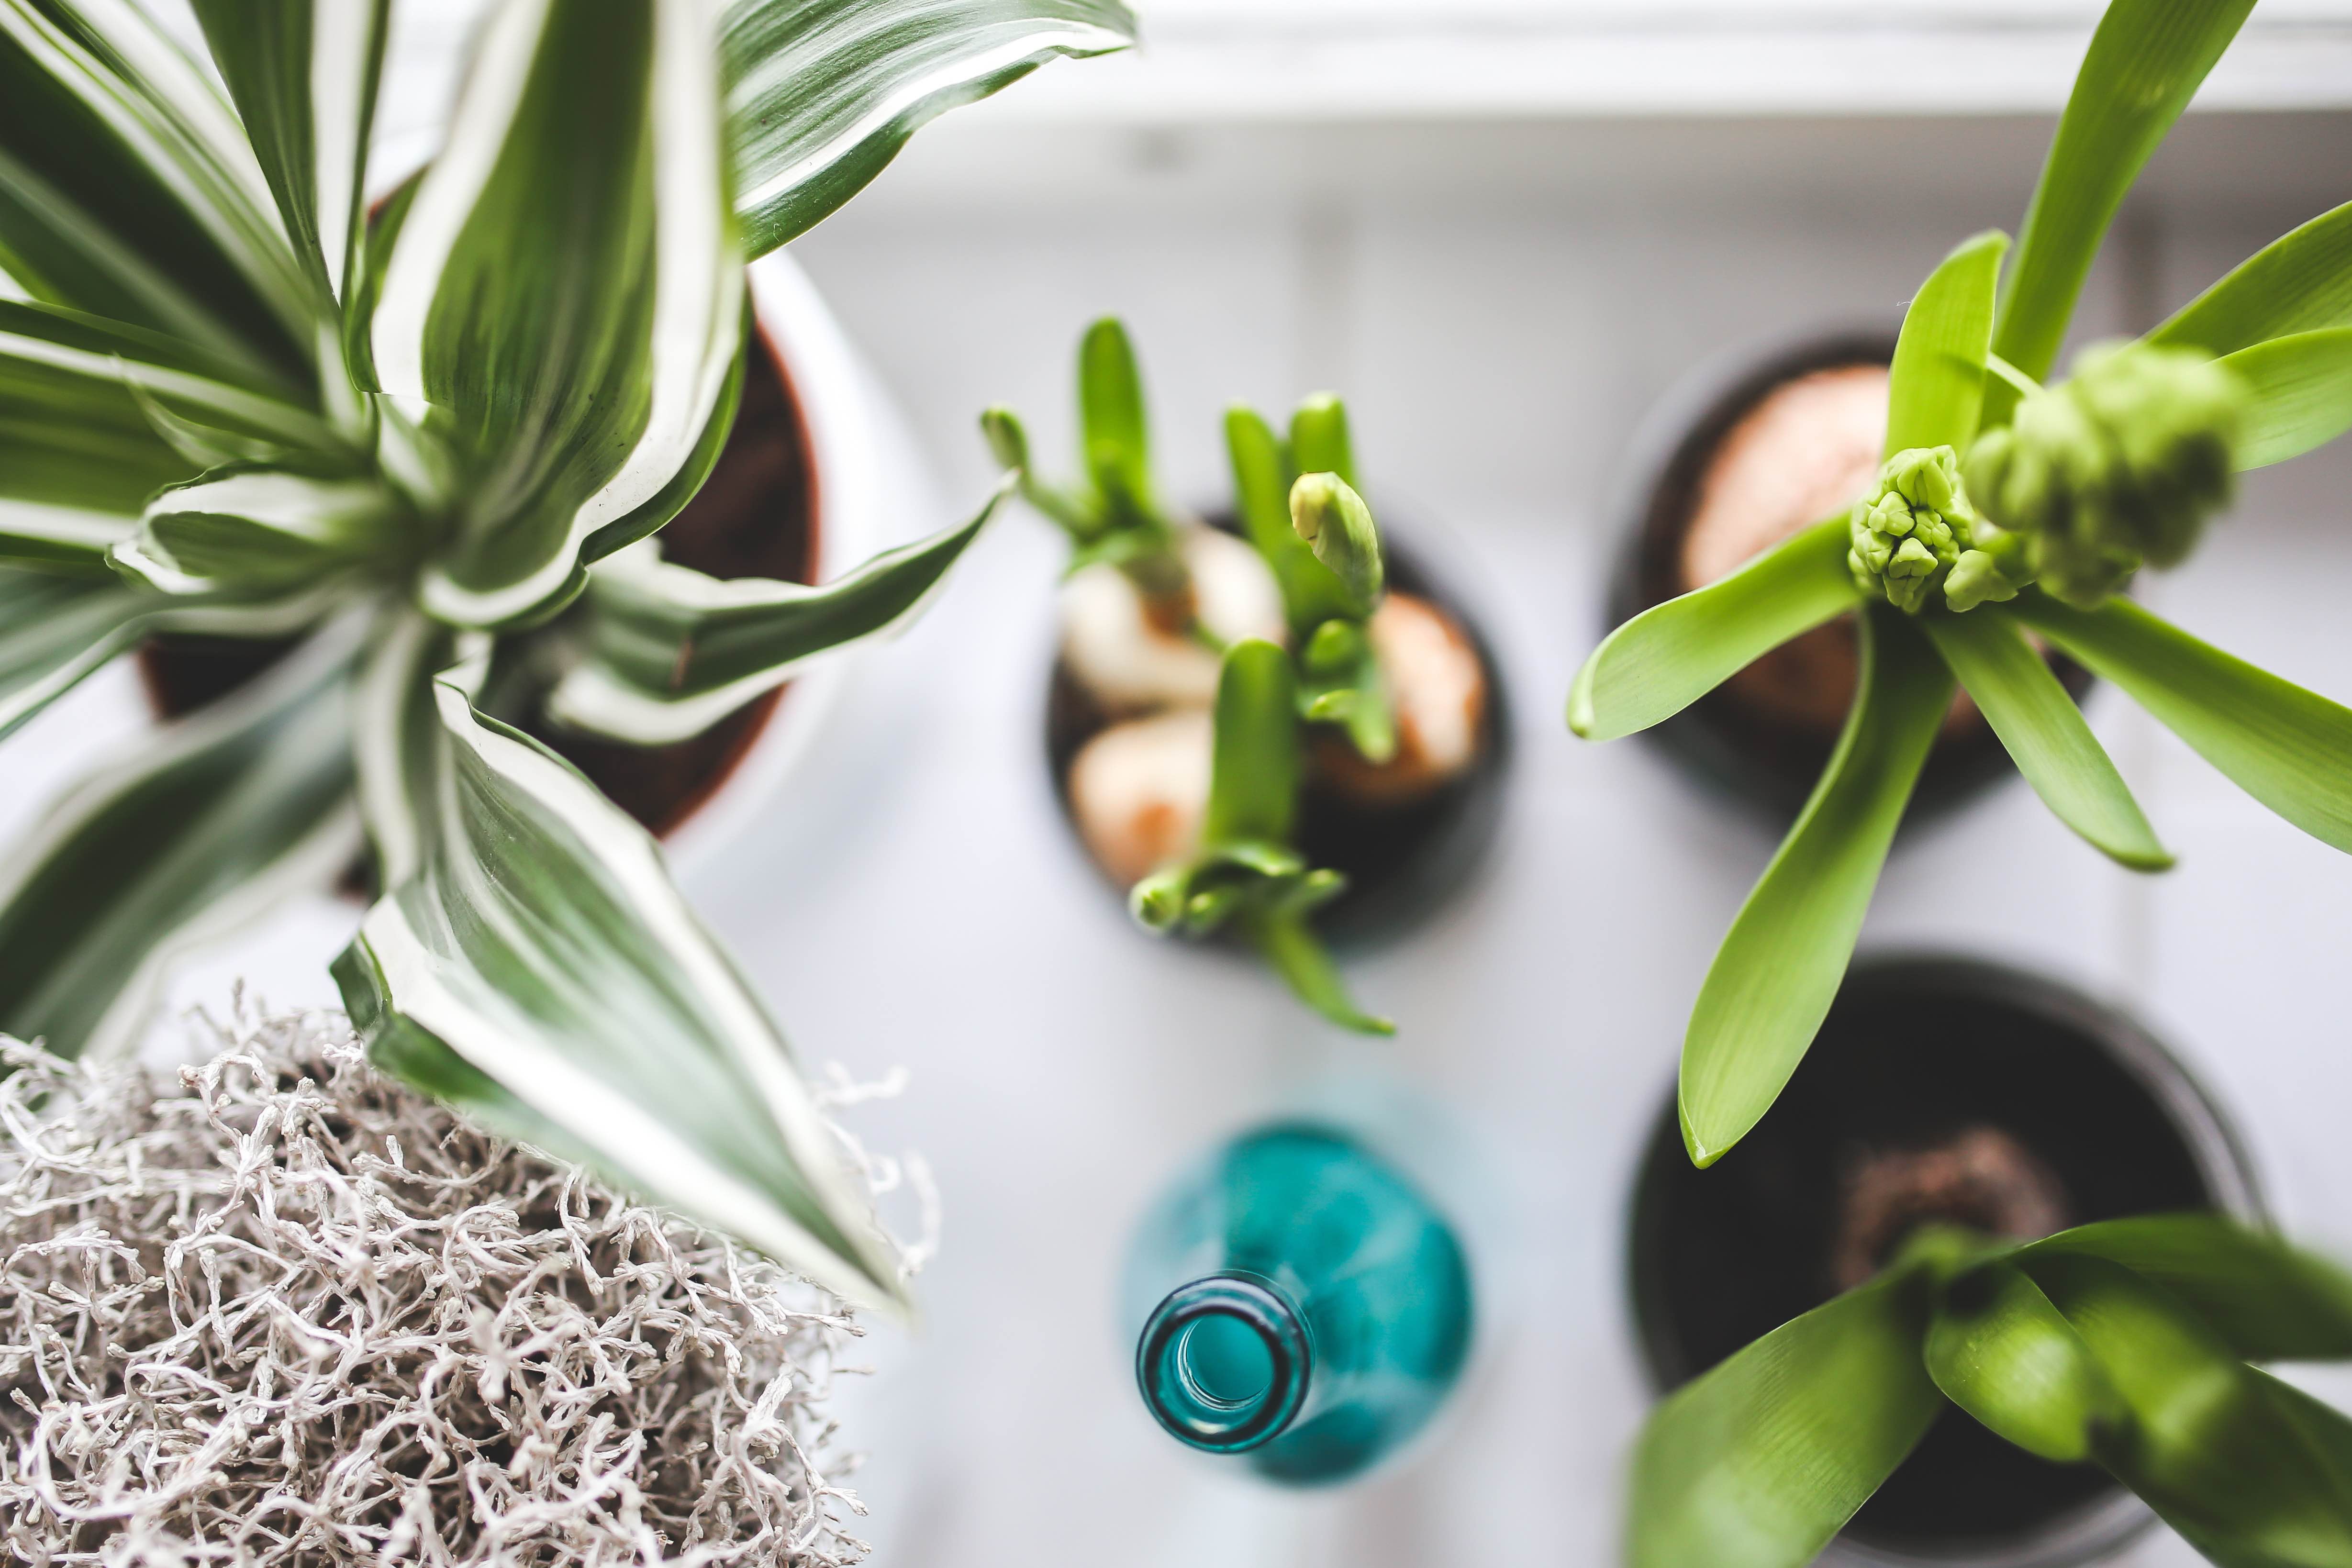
pixel 288 1312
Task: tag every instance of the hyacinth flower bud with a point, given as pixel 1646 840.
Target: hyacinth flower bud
pixel 2120 465
pixel 1904 540
pixel 1327 513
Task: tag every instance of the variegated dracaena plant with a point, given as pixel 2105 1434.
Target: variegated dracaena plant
pixel 2006 509
pixel 231 404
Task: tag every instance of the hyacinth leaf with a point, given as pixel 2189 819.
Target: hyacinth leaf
pixel 2046 733
pixel 2300 282
pixel 1936 387
pixel 304 75
pixel 1672 654
pixel 2302 387
pixel 1334 522
pixel 2001 1351
pixel 1320 441
pixel 2144 63
pixel 1780 966
pixel 563 304
pixel 1253 774
pixel 2289 748
pixel 2249 1477
pixel 820 96
pixel 193 834
pixel 2269 1301
pixel 1758 1462
pixel 1114 430
pixel 1289 946
pixel 258 531
pixel 128 189
pixel 1263 475
pixel 532 964
pixel 671 651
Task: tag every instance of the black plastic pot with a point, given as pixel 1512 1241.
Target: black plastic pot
pixel 1728 745
pixel 1918 1054
pixel 1402 862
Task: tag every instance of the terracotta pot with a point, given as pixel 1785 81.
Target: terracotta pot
pixel 1938 1089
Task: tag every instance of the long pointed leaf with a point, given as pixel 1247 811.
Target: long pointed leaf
pixel 2144 65
pixel 2045 732
pixel 1289 945
pixel 191 836
pixel 1758 1463
pixel 259 531
pixel 1936 388
pixel 2302 386
pixel 562 304
pixel 672 652
pixel 1672 654
pixel 2001 1351
pixel 2271 1301
pixel 1263 475
pixel 1113 429
pixel 126 187
pixel 2300 282
pixel 2287 748
pixel 1780 966
pixel 1253 778
pixel 821 94
pixel 2211 1446
pixel 537 966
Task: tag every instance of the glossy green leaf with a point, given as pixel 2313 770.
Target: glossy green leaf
pixel 1288 944
pixel 55 630
pixel 1672 654
pixel 561 307
pixel 1320 441
pixel 532 963
pixel 2247 1477
pixel 671 651
pixel 191 835
pixel 2144 65
pixel 1263 475
pixel 1333 520
pixel 261 531
pixel 2302 387
pixel 2287 748
pixel 1937 386
pixel 1254 779
pixel 1780 966
pixel 127 187
pixel 2269 1300
pixel 821 94
pixel 303 74
pixel 1113 431
pixel 2300 282
pixel 2001 1351
pixel 2045 732
pixel 1758 1462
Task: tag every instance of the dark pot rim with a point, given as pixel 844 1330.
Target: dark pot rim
pixel 758 712
pixel 1464 818
pixel 2115 1516
pixel 1715 743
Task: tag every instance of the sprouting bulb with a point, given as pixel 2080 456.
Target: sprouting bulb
pixel 2121 465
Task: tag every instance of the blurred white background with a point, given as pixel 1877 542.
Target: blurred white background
pixel 1503 228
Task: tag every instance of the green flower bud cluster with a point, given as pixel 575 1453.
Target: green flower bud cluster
pixel 2120 466
pixel 1907 539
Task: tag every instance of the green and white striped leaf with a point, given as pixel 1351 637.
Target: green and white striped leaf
pixel 1758 1462
pixel 251 531
pixel 1781 963
pixel 1936 387
pixel 534 963
pixel 2144 65
pixel 821 94
pixel 2300 282
pixel 2302 387
pixel 671 651
pixel 192 835
pixel 563 304
pixel 128 189
pixel 1672 654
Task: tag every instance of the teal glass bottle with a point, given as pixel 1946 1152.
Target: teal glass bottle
pixel 1301 1305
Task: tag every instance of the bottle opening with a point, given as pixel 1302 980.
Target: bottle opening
pixel 1223 1362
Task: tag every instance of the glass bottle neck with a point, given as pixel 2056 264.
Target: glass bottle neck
pixel 1224 1362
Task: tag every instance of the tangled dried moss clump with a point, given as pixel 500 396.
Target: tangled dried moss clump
pixel 288 1311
